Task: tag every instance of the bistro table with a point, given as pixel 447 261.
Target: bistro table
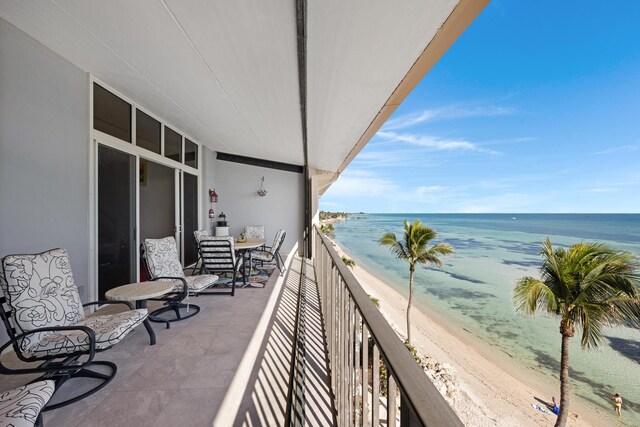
pixel 246 246
pixel 140 293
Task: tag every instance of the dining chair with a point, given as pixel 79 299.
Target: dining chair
pixel 254 232
pixel 46 324
pixel 271 253
pixel 219 257
pixel 198 235
pixel 160 257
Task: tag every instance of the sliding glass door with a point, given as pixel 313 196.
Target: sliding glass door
pixel 157 201
pixel 116 219
pixel 189 217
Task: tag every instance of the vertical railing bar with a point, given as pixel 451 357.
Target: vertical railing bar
pixel 354 366
pixel 345 352
pixel 375 387
pixel 357 341
pixel 391 400
pixel 340 351
pixel 365 376
pixel 349 381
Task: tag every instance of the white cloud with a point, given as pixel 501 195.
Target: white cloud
pixel 620 149
pixel 431 189
pixel 601 190
pixel 446 113
pixel 434 142
pixel 359 183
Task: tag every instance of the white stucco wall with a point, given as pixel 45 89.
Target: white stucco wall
pixel 283 207
pixel 44 152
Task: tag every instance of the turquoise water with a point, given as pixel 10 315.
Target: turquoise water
pixel 474 290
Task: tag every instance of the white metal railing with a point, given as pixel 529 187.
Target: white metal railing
pixel 363 349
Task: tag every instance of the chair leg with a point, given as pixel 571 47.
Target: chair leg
pixel 82 373
pixel 174 308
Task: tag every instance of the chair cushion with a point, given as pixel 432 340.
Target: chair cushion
pixel 262 255
pixel 108 328
pixel 20 407
pixel 162 258
pixel 196 283
pixel 276 240
pixel 254 231
pixel 199 234
pixel 40 290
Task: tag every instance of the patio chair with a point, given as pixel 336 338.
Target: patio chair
pixel 46 324
pixel 254 232
pixel 271 253
pixel 160 257
pixel 198 235
pixel 22 406
pixel 218 256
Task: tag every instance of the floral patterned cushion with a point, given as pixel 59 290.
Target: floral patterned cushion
pixel 162 259
pixel 199 234
pixel 203 281
pixel 109 330
pixel 276 240
pixel 196 283
pixel 254 231
pixel 262 256
pixel 20 407
pixel 40 290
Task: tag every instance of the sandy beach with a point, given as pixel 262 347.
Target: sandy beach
pixel 491 390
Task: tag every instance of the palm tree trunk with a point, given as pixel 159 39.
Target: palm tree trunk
pixel 411 270
pixel 564 383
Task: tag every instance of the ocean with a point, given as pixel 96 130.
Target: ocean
pixel 473 291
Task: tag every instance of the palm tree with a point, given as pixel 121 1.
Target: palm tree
pixel 414 249
pixel 588 285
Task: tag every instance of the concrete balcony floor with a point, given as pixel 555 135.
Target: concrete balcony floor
pixel 228 365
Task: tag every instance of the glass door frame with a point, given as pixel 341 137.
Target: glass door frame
pixel 99 138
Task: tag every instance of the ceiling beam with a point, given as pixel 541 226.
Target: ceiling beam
pixel 301 30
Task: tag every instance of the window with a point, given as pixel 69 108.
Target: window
pixel 190 153
pixel 147 132
pixel 172 144
pixel 111 114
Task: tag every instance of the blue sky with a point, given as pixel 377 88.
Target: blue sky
pixel 535 108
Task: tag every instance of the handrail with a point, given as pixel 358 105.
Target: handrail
pixel 427 404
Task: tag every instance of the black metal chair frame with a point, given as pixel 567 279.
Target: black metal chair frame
pixel 63 367
pixel 223 264
pixel 172 301
pixel 275 255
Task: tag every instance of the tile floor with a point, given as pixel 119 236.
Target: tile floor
pixel 183 380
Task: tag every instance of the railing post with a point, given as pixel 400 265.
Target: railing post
pixel 375 386
pixel 391 400
pixel 365 376
pixel 357 341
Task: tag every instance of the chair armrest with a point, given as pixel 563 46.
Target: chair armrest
pixel 15 342
pixel 127 303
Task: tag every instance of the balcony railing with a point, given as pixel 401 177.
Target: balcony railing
pixel 359 341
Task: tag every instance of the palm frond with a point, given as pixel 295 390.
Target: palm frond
pixel 531 295
pixel 589 284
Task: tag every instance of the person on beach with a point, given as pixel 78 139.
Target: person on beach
pixel 617 403
pixel 556 407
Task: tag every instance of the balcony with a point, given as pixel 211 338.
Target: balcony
pixel 304 350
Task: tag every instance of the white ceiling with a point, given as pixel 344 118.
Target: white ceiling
pixel 225 72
